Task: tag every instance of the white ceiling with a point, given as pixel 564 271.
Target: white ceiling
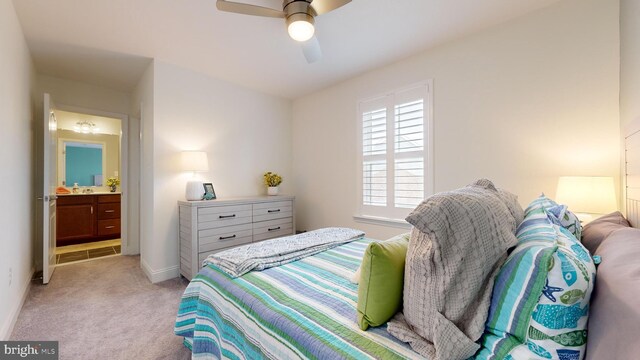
pixel 110 42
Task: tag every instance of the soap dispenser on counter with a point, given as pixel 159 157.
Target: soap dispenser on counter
pixel 76 188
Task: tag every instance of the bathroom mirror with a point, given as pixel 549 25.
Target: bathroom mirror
pixel 84 163
pixel 88 149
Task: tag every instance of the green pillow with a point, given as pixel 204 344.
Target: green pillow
pixel 381 281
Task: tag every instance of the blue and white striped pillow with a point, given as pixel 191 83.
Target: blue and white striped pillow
pixel 540 298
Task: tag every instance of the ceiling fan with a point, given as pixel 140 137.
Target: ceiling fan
pixel 300 19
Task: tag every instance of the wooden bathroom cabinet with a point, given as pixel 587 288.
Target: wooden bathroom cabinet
pixel 85 218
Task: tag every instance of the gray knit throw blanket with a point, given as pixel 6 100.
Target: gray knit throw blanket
pixel 275 252
pixel 458 244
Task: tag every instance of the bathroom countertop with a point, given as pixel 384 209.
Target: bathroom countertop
pixel 93 193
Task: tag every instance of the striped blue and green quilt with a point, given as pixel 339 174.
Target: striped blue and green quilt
pixel 302 310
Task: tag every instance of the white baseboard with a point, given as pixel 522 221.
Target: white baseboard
pixel 156 276
pixel 7 327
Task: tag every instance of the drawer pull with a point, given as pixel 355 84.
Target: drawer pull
pixel 227 237
pixel 109 211
pixel 273 211
pixel 109 227
pixel 226 216
pixel 274 229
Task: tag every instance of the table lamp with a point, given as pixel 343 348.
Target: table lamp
pixel 194 161
pixel 587 196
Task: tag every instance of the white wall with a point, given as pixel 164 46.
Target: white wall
pixel 142 109
pixel 83 95
pixel 521 103
pixel 629 61
pixel 244 132
pixel 16 167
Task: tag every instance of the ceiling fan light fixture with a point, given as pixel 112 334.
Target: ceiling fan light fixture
pixel 301 27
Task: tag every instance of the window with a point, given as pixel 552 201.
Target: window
pixel 395 135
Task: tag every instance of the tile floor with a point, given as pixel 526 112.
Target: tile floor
pixel 82 252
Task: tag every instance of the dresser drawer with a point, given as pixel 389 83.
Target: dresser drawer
pixel 75 200
pixel 272 211
pixel 272 229
pixel 241 235
pixel 220 216
pixel 114 198
pixel 202 256
pixel 109 211
pixel 219 238
pixel 108 227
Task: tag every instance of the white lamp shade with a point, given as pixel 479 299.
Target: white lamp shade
pixel 194 161
pixel 591 195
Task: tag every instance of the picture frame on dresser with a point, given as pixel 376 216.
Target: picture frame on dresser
pixel 209 192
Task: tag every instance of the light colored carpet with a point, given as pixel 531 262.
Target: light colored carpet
pixel 104 309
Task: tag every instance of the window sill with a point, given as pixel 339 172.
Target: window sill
pixel 374 220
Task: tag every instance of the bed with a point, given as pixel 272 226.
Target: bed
pixel 304 309
pixel 307 309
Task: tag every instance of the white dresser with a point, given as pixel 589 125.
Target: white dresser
pixel 207 227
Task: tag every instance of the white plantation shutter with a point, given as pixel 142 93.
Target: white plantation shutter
pixel 409 126
pixel 375 183
pixel 374 132
pixel 409 153
pixel 374 152
pixel 394 142
pixel 409 182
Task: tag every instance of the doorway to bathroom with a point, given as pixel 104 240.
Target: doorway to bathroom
pixel 89 163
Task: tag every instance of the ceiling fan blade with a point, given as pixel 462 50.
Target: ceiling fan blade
pixel 248 9
pixel 312 51
pixel 324 6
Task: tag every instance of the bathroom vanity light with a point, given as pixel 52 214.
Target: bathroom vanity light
pixel 85 127
pixel 194 161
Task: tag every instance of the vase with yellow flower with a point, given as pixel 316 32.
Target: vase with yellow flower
pixel 272 181
pixel 112 183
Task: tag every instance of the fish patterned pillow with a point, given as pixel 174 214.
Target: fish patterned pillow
pixel 561 216
pixel 541 202
pixel 541 215
pixel 540 301
pixel 536 225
